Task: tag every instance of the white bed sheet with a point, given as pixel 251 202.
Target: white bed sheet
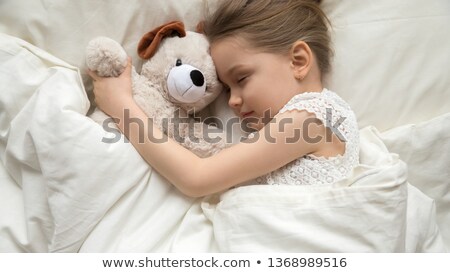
pixel 425 146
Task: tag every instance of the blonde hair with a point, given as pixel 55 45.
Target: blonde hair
pixel 273 26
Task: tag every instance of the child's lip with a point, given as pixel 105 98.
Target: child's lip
pixel 246 114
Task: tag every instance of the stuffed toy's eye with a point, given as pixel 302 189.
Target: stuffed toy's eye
pixel 178 62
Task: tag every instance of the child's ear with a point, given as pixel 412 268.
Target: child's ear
pixel 301 59
pixel 199 28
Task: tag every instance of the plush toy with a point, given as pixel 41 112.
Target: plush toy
pixel 177 79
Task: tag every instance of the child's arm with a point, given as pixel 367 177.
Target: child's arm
pixel 196 176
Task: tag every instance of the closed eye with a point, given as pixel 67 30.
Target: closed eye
pixel 240 80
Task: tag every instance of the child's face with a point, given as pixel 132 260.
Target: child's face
pixel 257 81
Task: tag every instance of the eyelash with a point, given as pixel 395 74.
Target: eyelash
pixel 227 88
pixel 241 79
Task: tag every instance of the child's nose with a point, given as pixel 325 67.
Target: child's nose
pixel 234 101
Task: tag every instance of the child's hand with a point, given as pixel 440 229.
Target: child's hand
pixel 113 94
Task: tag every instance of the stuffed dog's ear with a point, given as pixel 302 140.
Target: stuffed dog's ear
pixel 150 41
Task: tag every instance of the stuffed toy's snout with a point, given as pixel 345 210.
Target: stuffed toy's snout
pixel 186 83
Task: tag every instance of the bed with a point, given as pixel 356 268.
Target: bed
pixel 62 190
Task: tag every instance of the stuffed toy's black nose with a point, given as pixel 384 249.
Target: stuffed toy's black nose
pixel 197 78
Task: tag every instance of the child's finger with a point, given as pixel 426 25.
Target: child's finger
pixel 92 74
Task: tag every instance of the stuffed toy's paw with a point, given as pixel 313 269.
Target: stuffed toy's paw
pixel 106 57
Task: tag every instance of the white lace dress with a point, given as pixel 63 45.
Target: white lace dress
pixel 335 114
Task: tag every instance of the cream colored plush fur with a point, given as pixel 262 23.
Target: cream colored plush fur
pixel 150 89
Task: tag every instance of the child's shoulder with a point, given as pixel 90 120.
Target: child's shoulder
pixel 328 107
pixel 318 103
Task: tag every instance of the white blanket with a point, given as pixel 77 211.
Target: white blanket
pixel 375 210
pixel 78 193
pixel 69 191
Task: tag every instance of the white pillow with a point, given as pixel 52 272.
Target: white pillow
pixel 391 62
pixel 392 59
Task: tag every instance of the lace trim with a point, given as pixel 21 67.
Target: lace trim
pixel 312 169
